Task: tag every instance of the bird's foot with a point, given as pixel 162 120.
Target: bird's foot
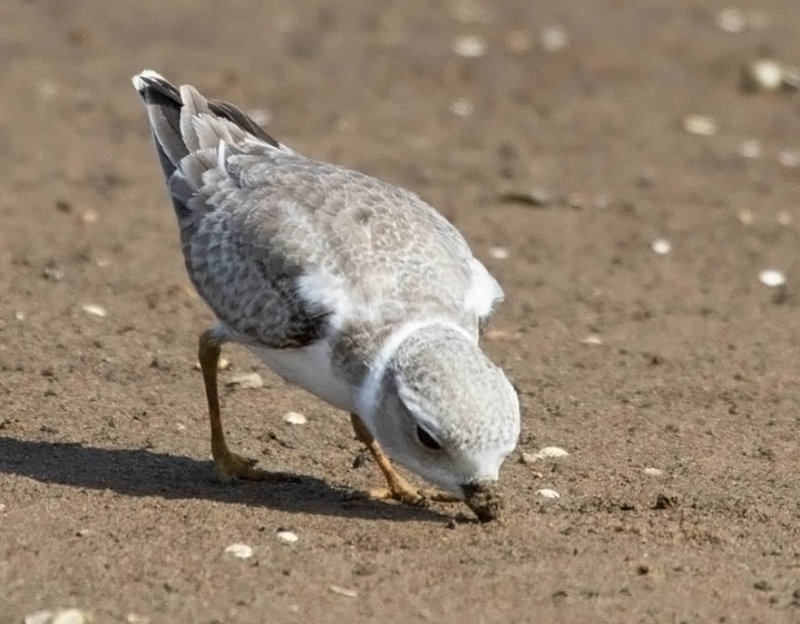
pixel 230 466
pixel 408 496
pixel 439 496
pixel 402 491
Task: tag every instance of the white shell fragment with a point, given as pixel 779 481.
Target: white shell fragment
pixel 39 617
pixel 592 339
pixel 294 418
pixel 661 246
pixel 746 216
pixel 94 310
pixel 550 452
pixel 249 380
pixel 240 551
pixel 470 46
pixel 499 253
pixel 767 75
pixel 90 216
pixel 350 593
pixel 653 472
pixel 789 158
pixel 731 21
pixel 62 616
pixel 289 537
pixel 772 278
pixel 762 75
pixel 700 125
pixel 553 38
pixel 751 148
pixel 71 616
pixel 548 493
pixel 462 107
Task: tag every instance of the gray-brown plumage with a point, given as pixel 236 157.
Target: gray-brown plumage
pixel 352 288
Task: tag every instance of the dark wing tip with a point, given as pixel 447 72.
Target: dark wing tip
pixel 155 89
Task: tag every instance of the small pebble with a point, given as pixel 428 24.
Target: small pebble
pixel 789 158
pixel 602 201
pixel 90 216
pixel 499 253
pixel 772 278
pixel 548 493
pixel 532 196
pixel 48 89
pixel 462 107
pixel 592 339
pixel 94 310
pixel 240 551
pixel 470 46
pixel 746 216
pixel 553 38
pixel 783 217
pixel 731 20
pixel 53 275
pixel 653 472
pixel 294 418
pixel 700 125
pixel 289 537
pixel 661 246
pixel 248 380
pixel 750 148
pixel 350 593
pixel 135 618
pixel 62 205
pixel 19 315
pixel 2 507
pixel 519 41
pixel 83 532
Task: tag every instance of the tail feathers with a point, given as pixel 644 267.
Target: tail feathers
pixel 184 122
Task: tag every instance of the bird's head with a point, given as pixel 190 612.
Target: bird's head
pixel 447 413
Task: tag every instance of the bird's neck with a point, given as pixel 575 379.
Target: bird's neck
pixel 369 388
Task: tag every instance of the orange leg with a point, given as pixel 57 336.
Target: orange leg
pixel 398 487
pixel 227 465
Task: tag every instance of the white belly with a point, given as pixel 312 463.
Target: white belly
pixel 310 368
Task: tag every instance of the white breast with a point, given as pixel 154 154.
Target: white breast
pixel 310 368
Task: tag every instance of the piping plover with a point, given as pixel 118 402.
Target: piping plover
pixel 352 288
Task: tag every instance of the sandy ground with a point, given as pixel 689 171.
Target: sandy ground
pixel 106 497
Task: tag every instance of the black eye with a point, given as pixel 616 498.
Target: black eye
pixel 426 439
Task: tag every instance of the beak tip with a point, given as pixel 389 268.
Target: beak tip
pixel 483 501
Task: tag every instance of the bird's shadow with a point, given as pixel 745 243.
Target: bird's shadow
pixel 141 472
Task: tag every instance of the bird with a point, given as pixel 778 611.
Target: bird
pixel 351 288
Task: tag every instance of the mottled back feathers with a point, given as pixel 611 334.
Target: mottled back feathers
pixel 286 249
